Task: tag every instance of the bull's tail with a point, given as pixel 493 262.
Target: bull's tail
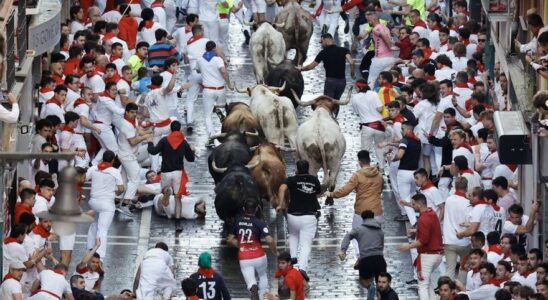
pixel 326 171
pixel 279 109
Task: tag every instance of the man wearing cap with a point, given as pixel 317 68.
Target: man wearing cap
pixel 11 289
pixel 211 284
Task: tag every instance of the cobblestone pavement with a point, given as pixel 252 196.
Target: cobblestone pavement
pixel 330 278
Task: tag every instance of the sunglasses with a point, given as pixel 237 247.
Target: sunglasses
pixel 481 40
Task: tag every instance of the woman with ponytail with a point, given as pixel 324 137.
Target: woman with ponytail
pixel 147 28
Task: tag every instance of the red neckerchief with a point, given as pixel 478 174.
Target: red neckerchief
pixel 157 179
pixel 104 165
pixel 427 185
pixel 481 67
pixel 175 139
pixel 108 36
pixel 157 4
pixel 466 13
pixel 466 146
pixel 462 85
pixel 105 94
pixel 427 52
pixel 58 79
pixel 467 171
pixel 54 101
pixel 79 101
pixel 188 29
pixel 387 85
pixel 466 42
pixel 193 39
pixel 68 128
pixel 399 119
pixel 79 189
pixel 149 24
pixel 411 135
pixel 475 270
pixel 153 86
pixel 495 206
pixel 462 194
pixel 127 81
pixel 495 248
pixel 451 93
pixel 93 73
pixel 281 273
pixel 494 282
pixel 113 57
pixel 444 43
pixel 41 231
pixel 481 202
pixel 472 80
pixel 420 23
pixel 58 272
pixel 430 78
pixel 9 240
pixel 435 27
pixel 512 167
pixel 45 90
pixel 525 274
pixel 207 273
pixel 192 298
pixel 114 78
pixel 42 195
pixel 131 121
pixel 9 276
pixel 64 49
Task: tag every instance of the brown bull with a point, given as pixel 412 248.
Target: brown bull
pixel 269 174
pixel 240 119
pixel 296 25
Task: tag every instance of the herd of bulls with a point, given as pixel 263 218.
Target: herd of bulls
pixel 248 164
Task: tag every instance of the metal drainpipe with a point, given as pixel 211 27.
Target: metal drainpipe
pixel 2 190
pixel 489 61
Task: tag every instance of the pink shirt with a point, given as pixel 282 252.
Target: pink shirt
pixel 381 49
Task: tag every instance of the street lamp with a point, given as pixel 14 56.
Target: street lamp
pixel 65 213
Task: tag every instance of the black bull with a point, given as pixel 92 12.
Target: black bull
pixel 234 151
pixel 288 73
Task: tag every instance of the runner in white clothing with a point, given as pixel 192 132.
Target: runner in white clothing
pixel 164 205
pixel 214 79
pixel 170 66
pixel 92 79
pixel 106 183
pixel 195 49
pixel 53 285
pixel 155 274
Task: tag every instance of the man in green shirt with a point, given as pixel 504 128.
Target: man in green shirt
pixel 137 60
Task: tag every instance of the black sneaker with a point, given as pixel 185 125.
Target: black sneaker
pixel 210 143
pixel 329 201
pixel 220 115
pixel 189 130
pixel 247 36
pixel 346 26
pixel 412 281
pixel 178 226
pixel 401 218
pixel 254 292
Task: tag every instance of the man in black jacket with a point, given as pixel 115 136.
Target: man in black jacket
pixel 384 289
pixel 174 149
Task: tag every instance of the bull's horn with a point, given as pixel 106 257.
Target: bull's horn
pixel 219 135
pixel 301 103
pixel 253 165
pixel 282 24
pixel 217 169
pixel 249 133
pixel 239 91
pixel 345 102
pixel 276 88
pixel 253 148
pixel 287 149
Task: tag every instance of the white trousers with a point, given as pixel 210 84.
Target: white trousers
pixel 159 133
pixel 371 138
pixel 258 6
pixel 302 230
pixel 156 278
pixel 429 263
pixel 223 32
pixel 66 242
pixel 106 139
pixel 407 188
pixel 394 181
pixel 379 64
pixel 171 179
pixel 329 20
pixel 444 186
pixel 211 30
pixel 192 95
pixel 211 98
pixel 249 267
pixel 104 213
pixel 132 172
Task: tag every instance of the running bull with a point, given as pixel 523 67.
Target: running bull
pixel 296 25
pixel 233 151
pixel 320 140
pixel 240 119
pixel 293 78
pixel 275 114
pixel 267 49
pixel 269 174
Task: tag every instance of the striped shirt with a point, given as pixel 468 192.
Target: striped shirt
pixel 159 52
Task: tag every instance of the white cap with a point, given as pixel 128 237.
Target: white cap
pixel 17 265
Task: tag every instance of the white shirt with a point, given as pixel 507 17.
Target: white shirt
pixel 457 210
pixel 13 252
pixel 54 283
pixel 482 214
pixel 366 105
pixel 95 83
pixel 470 50
pixel 171 97
pixel 76 26
pixel 434 38
pixel 10 288
pixel 67 142
pixel 90 277
pixel 509 227
pixel 45 96
pixel 157 253
pixel 433 198
pixel 160 16
pixel 127 131
pixel 494 257
pixel 156 103
pixel 104 183
pixel 112 16
pixel 473 280
pixel 148 34
pixel 83 111
pixel 53 109
pixel 105 109
pixel 459 63
pixel 9 116
pixel 126 53
pixel 423 32
pixel 42 204
pixel 463 151
pixel 208 10
pixel 194 51
pixel 119 65
pixel 445 73
pixel 484 292
pixel 211 71
pixel 69 101
pixel 490 162
pixel 424 111
pixel 499 217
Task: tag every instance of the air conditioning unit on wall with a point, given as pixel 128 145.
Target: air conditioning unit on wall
pixel 512 138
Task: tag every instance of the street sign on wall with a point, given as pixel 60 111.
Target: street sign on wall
pixel 44 29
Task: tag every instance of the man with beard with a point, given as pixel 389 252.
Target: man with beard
pixel 383 286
